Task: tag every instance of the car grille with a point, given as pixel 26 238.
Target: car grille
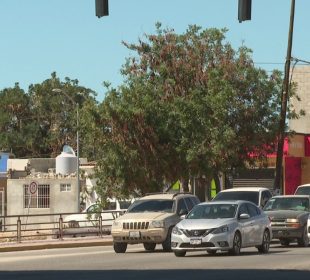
pixel 202 245
pixel 278 222
pixel 136 225
pixel 196 232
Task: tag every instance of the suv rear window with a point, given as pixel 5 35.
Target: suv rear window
pixel 236 195
pixel 149 205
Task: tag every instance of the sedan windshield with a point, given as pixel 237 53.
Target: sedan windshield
pixel 287 203
pixel 149 205
pixel 213 211
pixel 238 195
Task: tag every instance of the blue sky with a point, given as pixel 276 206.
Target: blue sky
pixel 38 37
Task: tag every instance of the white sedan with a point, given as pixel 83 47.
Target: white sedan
pixel 222 226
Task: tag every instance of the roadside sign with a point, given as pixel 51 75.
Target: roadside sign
pixel 33 187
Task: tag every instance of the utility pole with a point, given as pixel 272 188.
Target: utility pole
pixel 284 101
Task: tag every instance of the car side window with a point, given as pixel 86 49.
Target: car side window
pixel 252 210
pixel 243 210
pixel 266 195
pixel 181 208
pixel 189 203
pixel 195 200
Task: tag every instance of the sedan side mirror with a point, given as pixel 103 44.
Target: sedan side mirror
pixel 244 216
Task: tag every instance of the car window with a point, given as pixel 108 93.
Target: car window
pixel 151 205
pixel 266 195
pixel 195 200
pixel 303 190
pixel 238 195
pixel 287 203
pixel 181 206
pixel 124 204
pixel 253 210
pixel 243 210
pixel 189 203
pixel 213 211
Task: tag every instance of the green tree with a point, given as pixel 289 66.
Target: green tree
pixel 191 106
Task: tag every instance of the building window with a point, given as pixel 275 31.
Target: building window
pixel 40 199
pixel 65 187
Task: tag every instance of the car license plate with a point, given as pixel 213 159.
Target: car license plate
pixel 195 241
pixel 134 234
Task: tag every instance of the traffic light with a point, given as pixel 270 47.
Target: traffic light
pixel 244 10
pixel 102 8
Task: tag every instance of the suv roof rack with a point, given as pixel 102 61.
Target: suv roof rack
pixel 181 193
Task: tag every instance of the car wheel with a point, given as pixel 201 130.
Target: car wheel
pixel 149 246
pixel 304 240
pixel 237 243
pixel 211 252
pixel 120 247
pixel 180 253
pixel 264 248
pixel 167 243
pixel 284 242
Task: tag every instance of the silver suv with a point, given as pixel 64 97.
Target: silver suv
pixel 150 219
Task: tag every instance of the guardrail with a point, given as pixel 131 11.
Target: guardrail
pixel 19 228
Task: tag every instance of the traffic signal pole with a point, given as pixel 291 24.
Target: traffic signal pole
pixel 284 101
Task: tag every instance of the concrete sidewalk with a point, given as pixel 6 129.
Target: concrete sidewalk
pixel 106 240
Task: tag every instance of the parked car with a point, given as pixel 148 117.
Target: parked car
pixel 88 220
pixel 222 226
pixel 259 196
pixel 289 218
pixel 303 189
pixel 150 219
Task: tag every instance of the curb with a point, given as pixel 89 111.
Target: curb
pixel 54 245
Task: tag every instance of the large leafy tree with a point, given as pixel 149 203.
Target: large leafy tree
pixel 39 122
pixel 191 106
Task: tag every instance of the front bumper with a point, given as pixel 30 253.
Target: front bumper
pixel 285 232
pixel 154 235
pixel 221 241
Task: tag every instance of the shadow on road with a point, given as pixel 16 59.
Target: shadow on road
pixel 179 274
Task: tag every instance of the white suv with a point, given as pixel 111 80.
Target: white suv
pixel 259 196
pixel 150 219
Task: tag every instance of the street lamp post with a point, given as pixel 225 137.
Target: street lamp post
pixel 77 146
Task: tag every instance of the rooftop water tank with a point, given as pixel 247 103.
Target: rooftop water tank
pixel 66 162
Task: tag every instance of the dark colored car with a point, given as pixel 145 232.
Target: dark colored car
pixel 289 217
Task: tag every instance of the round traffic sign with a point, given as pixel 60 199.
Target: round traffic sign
pixel 33 187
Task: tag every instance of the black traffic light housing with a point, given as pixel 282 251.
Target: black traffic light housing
pixel 244 10
pixel 102 8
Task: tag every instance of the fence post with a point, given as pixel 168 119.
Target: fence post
pixel 19 230
pixel 100 226
pixel 60 228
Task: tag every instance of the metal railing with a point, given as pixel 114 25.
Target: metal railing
pixel 19 228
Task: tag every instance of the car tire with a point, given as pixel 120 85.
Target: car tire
pixel 264 248
pixel 284 242
pixel 120 247
pixel 149 246
pixel 304 240
pixel 211 252
pixel 237 244
pixel 180 253
pixel 167 243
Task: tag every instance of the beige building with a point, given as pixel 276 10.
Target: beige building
pixel 301 76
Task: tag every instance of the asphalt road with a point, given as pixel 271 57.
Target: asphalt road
pixel 102 263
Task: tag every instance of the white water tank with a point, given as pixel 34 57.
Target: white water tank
pixel 66 162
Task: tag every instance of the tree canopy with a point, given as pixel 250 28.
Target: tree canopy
pixel 190 106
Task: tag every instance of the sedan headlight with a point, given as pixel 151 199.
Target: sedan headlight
pixel 221 229
pixel 176 231
pixel 157 224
